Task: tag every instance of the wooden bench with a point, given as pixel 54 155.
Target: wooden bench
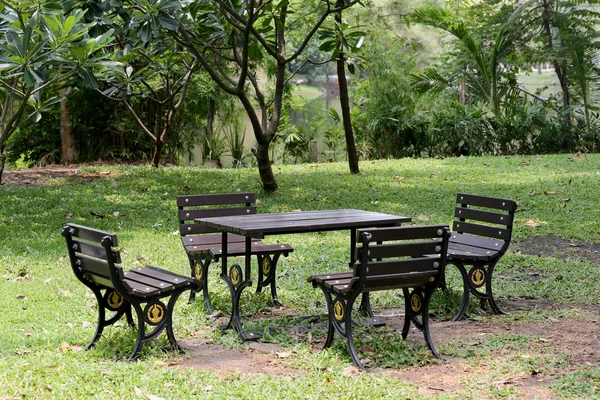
pixel 94 261
pixel 204 245
pixel 481 235
pixel 390 258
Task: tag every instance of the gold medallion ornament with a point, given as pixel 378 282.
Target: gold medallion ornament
pixel 113 300
pixel 266 266
pixel 478 277
pixel 235 274
pixel 155 312
pixel 338 311
pixel 198 271
pixel 415 302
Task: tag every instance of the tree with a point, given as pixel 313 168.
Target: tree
pixel 152 84
pixel 40 49
pixel 488 78
pixel 235 41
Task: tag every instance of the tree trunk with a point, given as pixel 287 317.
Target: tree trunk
pixel 345 104
pixel 2 159
pixel 66 130
pixel 158 146
pixel 559 67
pixel 265 170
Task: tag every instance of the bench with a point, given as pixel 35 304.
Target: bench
pixel 408 258
pixel 481 235
pixel 94 261
pixel 204 245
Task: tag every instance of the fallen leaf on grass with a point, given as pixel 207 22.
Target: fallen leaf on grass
pixel 566 199
pixel 143 393
pixel 104 173
pixel 95 214
pixel 351 370
pixel 284 354
pixel 422 218
pixel 68 215
pixel 64 347
pixel 398 177
pixel 64 293
pixel 549 193
pixel 21 297
pixel 184 188
pixel 524 163
pixel 433 176
pixel 532 193
pixel 533 223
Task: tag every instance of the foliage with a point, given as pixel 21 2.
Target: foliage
pixel 41 49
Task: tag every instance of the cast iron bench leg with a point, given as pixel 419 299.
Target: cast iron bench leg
pixel 199 270
pixel 267 270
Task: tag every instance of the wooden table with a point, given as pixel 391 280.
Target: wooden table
pixel 260 225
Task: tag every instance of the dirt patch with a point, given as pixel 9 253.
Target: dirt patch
pixel 552 246
pixel 50 174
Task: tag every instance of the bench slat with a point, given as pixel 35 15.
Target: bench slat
pixel 95 250
pixel 377 268
pixel 484 243
pixel 159 275
pixel 398 281
pixel 483 216
pixel 94 266
pixel 481 230
pixel 190 215
pixel 215 199
pixel 472 251
pixel 488 202
pixel 91 234
pixel 402 249
pixel 407 233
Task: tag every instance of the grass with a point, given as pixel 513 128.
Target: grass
pixel 48 316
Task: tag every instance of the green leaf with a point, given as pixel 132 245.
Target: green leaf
pixel 89 78
pixel 168 23
pixel 145 32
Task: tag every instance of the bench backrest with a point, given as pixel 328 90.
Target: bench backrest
pixel 484 221
pixel 398 257
pixel 211 205
pixel 92 255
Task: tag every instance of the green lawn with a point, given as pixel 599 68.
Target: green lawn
pixel 48 316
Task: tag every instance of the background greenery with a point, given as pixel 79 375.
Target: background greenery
pixel 48 315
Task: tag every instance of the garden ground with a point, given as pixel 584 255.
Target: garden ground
pixel 573 336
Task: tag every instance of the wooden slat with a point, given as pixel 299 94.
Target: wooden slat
pixel 211 239
pixel 195 229
pixel 378 268
pixel 95 250
pixel 100 280
pixel 190 215
pixel 405 249
pixel 91 234
pixel 388 282
pixel 151 281
pixel 319 279
pixel 488 202
pixel 483 216
pixel 481 230
pixel 92 265
pixel 215 199
pixel 140 290
pixel 406 233
pixel 456 248
pixel 476 241
pixel 167 277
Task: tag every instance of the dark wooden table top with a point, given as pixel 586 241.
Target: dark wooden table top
pixel 260 225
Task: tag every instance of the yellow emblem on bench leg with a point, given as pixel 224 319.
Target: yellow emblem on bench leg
pixel 338 311
pixel 266 266
pixel 235 274
pixel 198 271
pixel 415 302
pixel 114 300
pixel 155 313
pixel 478 277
